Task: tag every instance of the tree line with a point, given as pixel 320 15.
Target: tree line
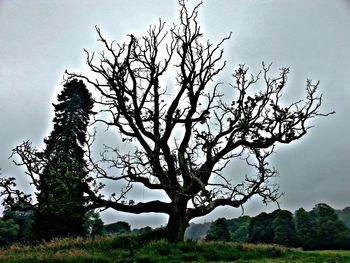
pixel 179 138
pixel 18 227
pixel 320 228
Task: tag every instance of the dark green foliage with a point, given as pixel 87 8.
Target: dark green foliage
pixel 59 172
pixel 239 228
pixel 318 229
pixel 143 230
pixel 127 248
pixel 344 215
pixel 61 201
pixel 306 229
pixel 24 220
pixel 8 231
pixel 118 228
pixel 218 231
pixel 93 224
pixel 284 232
pixel 321 229
pixel 331 232
pixel 260 229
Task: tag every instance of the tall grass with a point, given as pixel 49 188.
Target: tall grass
pixel 132 248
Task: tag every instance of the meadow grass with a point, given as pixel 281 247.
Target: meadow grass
pixel 130 248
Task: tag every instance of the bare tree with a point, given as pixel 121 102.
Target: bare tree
pixel 186 134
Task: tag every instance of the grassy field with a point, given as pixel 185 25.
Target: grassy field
pixel 131 249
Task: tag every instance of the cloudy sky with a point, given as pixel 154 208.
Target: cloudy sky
pixel 40 39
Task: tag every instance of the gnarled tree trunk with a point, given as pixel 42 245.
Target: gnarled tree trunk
pixel 177 224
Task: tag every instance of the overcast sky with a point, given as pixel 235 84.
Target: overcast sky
pixel 40 39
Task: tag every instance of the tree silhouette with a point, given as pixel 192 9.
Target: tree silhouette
pixel 184 133
pixel 59 172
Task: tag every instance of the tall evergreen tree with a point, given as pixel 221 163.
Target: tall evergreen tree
pixel 59 172
pixel 61 201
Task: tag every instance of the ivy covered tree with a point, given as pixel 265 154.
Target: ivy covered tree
pixel 59 172
pixel 183 133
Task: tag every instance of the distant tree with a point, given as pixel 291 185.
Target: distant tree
pixel 239 228
pixel 184 133
pixel 8 231
pixel 218 231
pixel 118 228
pixel 321 229
pixel 306 227
pixel 94 225
pixel 344 215
pixel 331 231
pixel 24 220
pixel 260 228
pixel 143 230
pixel 284 232
pixel 276 227
pixel 59 172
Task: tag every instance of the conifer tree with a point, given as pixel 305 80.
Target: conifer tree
pixel 59 172
pixel 61 201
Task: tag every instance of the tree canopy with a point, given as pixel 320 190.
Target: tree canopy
pixel 321 228
pixel 218 231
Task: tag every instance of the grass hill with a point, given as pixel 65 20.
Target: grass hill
pixel 130 248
